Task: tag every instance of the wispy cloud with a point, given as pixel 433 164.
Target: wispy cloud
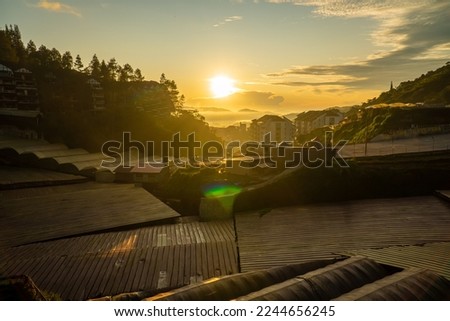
pixel 58 7
pixel 228 20
pixel 243 99
pixel 412 35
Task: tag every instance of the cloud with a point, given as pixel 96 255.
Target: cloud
pixel 415 36
pixel 241 99
pixel 228 19
pixel 58 7
pixel 213 109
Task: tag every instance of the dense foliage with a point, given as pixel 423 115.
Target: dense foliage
pixel 430 88
pixel 150 110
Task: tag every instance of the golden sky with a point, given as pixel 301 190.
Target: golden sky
pixel 275 56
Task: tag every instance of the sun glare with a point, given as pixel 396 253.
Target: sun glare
pixel 221 86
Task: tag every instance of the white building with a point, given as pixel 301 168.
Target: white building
pixel 280 128
pixel 310 120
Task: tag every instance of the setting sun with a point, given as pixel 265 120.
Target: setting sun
pixel 221 86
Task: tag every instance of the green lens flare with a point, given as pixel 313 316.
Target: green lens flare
pixel 218 190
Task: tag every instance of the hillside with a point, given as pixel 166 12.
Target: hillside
pixel 430 88
pixel 84 105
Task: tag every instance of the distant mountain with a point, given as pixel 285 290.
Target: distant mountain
pixel 430 88
pixel 213 109
pixel 291 116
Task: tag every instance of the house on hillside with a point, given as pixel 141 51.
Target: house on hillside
pixel 26 90
pixel 8 97
pixel 232 132
pixel 280 128
pixel 19 104
pixel 310 120
pixel 97 95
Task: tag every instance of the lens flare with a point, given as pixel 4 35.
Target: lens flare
pixel 220 189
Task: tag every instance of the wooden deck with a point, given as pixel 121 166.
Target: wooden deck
pixel 38 214
pixel 297 234
pixel 150 258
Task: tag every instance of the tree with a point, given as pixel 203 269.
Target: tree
pixel 104 71
pixel 44 57
pixel 15 39
pixel 172 89
pixel 94 67
pixel 78 64
pixel 113 68
pixel 55 59
pixel 7 52
pixel 31 48
pixel 67 60
pixel 125 73
pixel 138 75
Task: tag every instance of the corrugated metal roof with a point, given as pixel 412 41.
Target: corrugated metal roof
pixel 12 143
pixel 433 256
pixel 281 236
pixel 35 156
pixel 31 215
pixel 87 167
pixel 409 285
pixel 77 158
pixel 19 177
pixel 322 284
pixel 236 285
pixel 39 146
pixel 5 69
pixel 355 278
pixel 150 259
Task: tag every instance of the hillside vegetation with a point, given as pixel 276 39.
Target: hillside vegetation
pixel 150 110
pixel 419 103
pixel 430 88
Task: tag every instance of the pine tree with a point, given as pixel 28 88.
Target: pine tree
pixel 113 68
pixel 67 60
pixel 78 64
pixel 138 75
pixel 94 67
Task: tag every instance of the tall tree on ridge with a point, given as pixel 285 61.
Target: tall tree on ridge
pixel 78 64
pixel 67 60
pixel 94 67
